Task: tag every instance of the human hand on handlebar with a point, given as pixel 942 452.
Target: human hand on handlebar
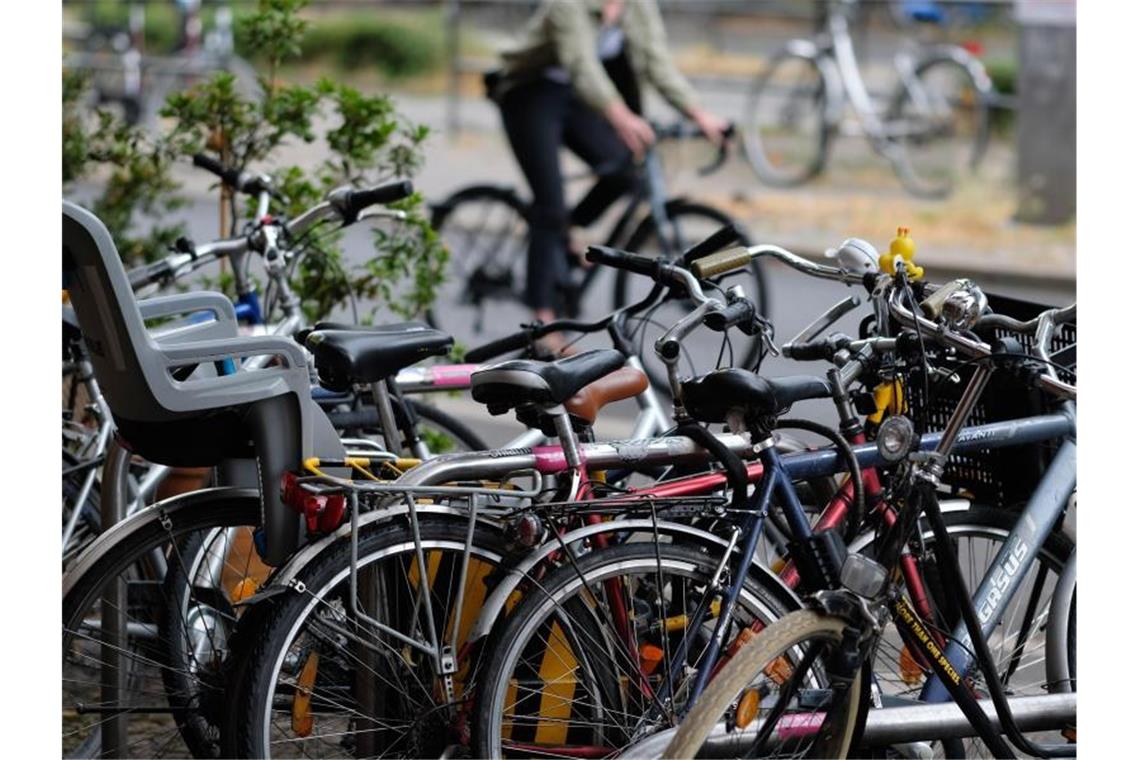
pixel 634 131
pixel 712 126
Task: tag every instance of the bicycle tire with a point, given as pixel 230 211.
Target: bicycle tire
pixel 201 617
pixel 496 255
pixel 745 349
pixel 177 519
pixel 523 630
pixel 979 521
pixel 817 143
pixel 908 164
pixel 992 524
pixel 252 686
pixel 748 664
pixel 449 425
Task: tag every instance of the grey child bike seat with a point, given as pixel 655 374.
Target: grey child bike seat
pixel 266 414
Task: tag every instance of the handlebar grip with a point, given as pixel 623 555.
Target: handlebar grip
pixel 736 313
pixel 150 273
pixel 212 165
pixel 807 352
pixel 630 262
pixel 498 347
pixel 231 177
pixel 730 233
pixel 719 263
pixel 390 192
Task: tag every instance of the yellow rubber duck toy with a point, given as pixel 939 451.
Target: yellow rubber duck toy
pixel 901 247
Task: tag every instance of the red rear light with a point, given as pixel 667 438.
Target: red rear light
pixel 323 512
pixel 974 48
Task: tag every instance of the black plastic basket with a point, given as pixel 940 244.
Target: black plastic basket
pixel 1005 476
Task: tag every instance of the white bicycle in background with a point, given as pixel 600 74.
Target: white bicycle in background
pixel 933 127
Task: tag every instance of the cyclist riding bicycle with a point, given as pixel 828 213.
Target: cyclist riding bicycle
pixel 574 78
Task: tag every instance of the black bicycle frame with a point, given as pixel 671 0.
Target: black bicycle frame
pixel 651 189
pixel 781 471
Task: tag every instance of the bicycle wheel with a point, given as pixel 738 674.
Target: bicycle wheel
pixel 937 125
pixel 581 667
pixel 772 697
pixel 443 433
pixel 1018 643
pixel 688 224
pixel 220 569
pixel 486 232
pixel 786 133
pixel 129 580
pixel 322 681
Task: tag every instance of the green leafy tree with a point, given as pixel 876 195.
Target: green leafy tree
pixel 368 142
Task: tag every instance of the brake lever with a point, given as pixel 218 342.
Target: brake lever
pixel 825 320
pixel 721 154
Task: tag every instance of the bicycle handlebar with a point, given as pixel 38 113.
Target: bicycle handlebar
pixel 739 313
pixel 722 238
pixel 514 342
pixel 350 202
pixel 345 203
pixel 1042 325
pixel 683 130
pixel 738 258
pixel 249 184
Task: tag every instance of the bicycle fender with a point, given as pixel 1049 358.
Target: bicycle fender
pixel 109 540
pixel 497 599
pixel 1056 656
pixel 962 57
pixel 295 565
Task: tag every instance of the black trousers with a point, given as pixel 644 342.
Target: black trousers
pixel 539 118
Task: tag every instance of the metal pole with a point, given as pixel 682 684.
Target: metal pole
pixel 451 20
pixel 896 725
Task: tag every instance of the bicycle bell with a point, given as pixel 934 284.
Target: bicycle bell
pixel 855 256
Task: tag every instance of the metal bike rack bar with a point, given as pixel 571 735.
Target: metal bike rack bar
pixel 898 725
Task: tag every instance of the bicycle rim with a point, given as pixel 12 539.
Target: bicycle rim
pixel 785 131
pixel 772 699
pixel 130 580
pixel 324 682
pixel 1018 642
pixel 573 680
pixel 936 126
pixel 486 233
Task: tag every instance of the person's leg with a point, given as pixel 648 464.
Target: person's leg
pixel 532 117
pixel 592 139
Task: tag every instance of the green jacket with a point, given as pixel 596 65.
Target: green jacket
pixel 564 33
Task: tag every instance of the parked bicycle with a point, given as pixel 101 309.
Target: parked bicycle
pixel 825 649
pixel 932 128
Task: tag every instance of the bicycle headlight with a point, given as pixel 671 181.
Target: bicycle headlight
pixel 863 576
pixel 896 438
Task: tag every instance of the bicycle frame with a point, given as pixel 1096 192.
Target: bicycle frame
pixel 654 193
pixel 1007 572
pixel 430 476
pixel 833 53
